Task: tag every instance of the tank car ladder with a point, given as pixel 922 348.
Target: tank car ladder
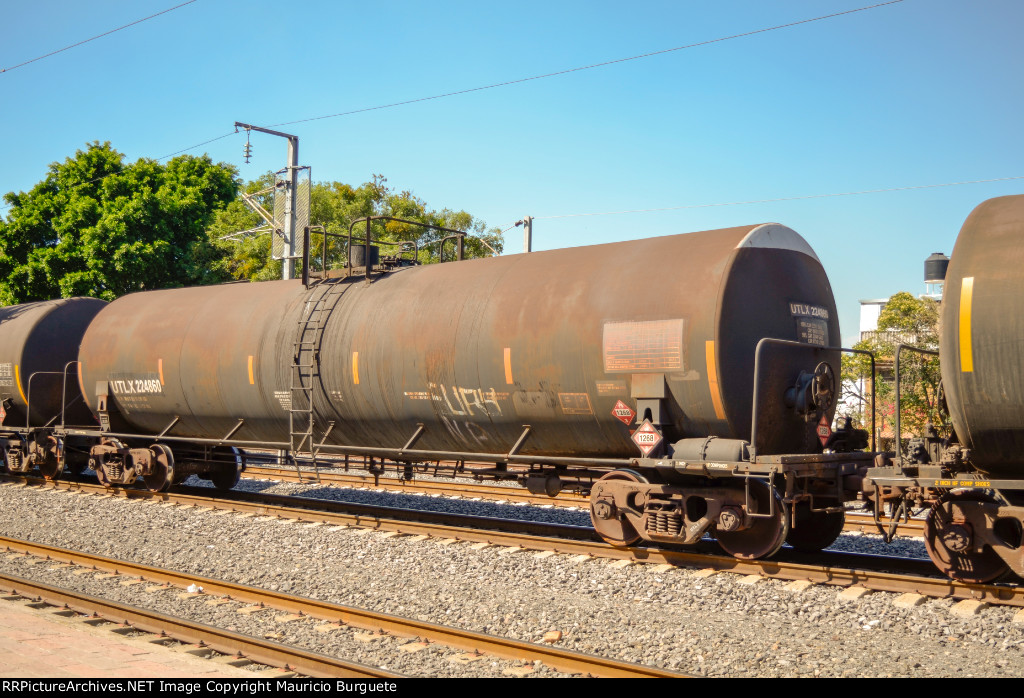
pixel 306 369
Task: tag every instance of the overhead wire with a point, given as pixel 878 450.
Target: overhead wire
pixel 98 36
pixel 508 82
pixel 589 67
pixel 782 198
pixel 548 75
pixel 484 87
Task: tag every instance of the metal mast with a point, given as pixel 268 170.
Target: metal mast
pixel 288 267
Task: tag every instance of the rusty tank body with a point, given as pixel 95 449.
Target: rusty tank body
pixel 37 342
pixel 982 338
pixel 466 355
pixel 39 388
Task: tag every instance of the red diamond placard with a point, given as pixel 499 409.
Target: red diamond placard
pixel 623 412
pixel 646 437
pixel 3 414
pixel 824 430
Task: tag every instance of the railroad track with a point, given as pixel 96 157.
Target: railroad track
pixel 855 522
pixel 470 490
pixel 296 659
pixel 260 651
pixel 876 573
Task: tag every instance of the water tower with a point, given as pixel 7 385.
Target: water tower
pixel 935 275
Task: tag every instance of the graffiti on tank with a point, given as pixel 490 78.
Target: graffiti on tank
pixel 459 406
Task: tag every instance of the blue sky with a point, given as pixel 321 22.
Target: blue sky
pixel 916 93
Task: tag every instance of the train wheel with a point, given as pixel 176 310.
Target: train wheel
pixel 609 524
pixel 227 475
pixel 50 456
pixel 812 531
pixel 764 536
pixel 76 462
pixel 949 540
pixel 159 480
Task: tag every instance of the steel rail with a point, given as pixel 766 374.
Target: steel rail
pixel 865 523
pixel 394 484
pixel 590 545
pixel 855 522
pixel 295 659
pixel 334 512
pixel 560 659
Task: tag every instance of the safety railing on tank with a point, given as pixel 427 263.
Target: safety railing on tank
pixel 367 242
pixel 899 427
pixel 816 350
pixel 63 399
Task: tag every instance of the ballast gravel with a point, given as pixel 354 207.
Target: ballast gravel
pixel 683 619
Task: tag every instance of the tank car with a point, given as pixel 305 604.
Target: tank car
pixel 39 388
pixel 632 364
pixel 974 529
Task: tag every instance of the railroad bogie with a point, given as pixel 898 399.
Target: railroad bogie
pixel 160 466
pixel 746 516
pixel 975 536
pixel 15 452
pixel 23 453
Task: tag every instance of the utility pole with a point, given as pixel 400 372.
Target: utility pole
pixel 527 233
pixel 288 267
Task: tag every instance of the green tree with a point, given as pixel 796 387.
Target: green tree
pixel 904 320
pixel 96 226
pixel 335 206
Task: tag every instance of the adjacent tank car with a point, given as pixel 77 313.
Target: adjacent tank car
pixel 975 480
pixel 39 387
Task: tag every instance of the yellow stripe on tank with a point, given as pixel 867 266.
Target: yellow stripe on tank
pixel 17 379
pixel 355 367
pixel 252 380
pixel 508 366
pixel 966 350
pixel 716 393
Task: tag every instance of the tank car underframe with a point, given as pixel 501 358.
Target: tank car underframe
pixel 752 507
pixel 119 459
pixel 974 531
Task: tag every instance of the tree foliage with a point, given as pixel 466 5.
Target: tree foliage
pixel 335 206
pixel 96 226
pixel 910 321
